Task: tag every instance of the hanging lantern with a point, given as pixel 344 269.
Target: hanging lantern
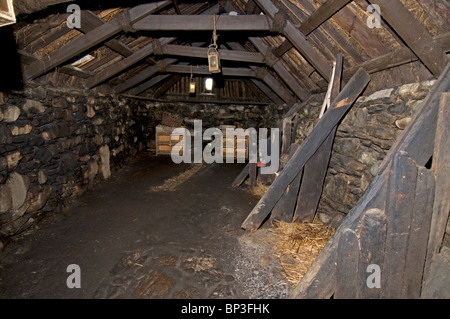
pixel 213 54
pixel 191 84
pixel 213 60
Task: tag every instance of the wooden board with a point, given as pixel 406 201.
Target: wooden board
pixel 316 168
pixel 419 232
pixel 399 208
pixel 331 118
pixel 441 169
pixel 372 239
pixel 347 265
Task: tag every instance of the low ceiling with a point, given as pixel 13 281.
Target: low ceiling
pixel 280 52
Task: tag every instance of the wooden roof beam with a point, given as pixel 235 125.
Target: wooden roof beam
pixel 281 70
pixel 149 83
pixel 196 52
pixel 89 40
pixel 143 75
pixel 414 34
pixel 203 23
pixel 322 14
pixel 126 63
pixel 297 39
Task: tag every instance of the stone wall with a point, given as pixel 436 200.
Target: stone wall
pixel 150 114
pixel 54 145
pixel 362 140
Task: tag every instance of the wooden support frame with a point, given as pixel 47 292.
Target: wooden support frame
pixel 331 118
pixel 298 40
pixel 89 40
pixel 281 70
pixel 124 64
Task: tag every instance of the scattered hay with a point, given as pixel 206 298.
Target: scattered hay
pixel 259 189
pixel 297 246
pixel 172 183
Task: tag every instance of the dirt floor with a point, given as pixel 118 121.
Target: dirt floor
pixel 154 230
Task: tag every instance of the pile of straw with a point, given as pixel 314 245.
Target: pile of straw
pixel 297 246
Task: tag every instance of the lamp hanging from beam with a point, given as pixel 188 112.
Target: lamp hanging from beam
pixel 213 54
pixel 191 84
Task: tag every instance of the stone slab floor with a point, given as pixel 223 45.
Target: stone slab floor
pixel 154 230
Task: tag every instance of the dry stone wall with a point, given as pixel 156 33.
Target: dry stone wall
pixel 54 145
pixel 362 140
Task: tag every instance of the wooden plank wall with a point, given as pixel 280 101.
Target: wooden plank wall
pixel 400 221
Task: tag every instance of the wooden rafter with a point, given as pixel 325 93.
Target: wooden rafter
pixel 325 11
pixel 298 40
pixel 281 70
pixel 414 34
pixel 124 64
pixel 195 52
pixel 89 40
pixel 268 78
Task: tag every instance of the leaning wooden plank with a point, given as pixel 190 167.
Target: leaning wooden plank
pixel 339 108
pixel 419 233
pixel 312 184
pixel 372 239
pixel 241 177
pixel 399 207
pixel 322 14
pixel 284 208
pixel 418 137
pixel 347 265
pixel 253 170
pixel 89 40
pixel 441 170
pixel 414 34
pixel 286 138
pixel 316 167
